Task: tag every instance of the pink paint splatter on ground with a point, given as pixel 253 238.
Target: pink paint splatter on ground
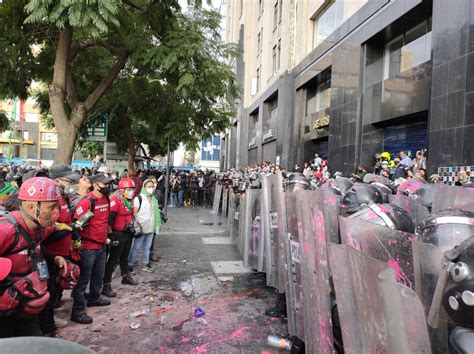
pixel 392 242
pixel 185 340
pixel 399 274
pixel 237 334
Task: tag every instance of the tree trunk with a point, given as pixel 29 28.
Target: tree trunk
pixel 130 141
pixel 62 89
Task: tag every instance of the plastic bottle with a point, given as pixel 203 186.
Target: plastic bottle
pixel 202 321
pixel 138 313
pixel 278 342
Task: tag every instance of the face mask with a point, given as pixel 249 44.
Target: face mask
pixel 114 177
pixel 104 190
pixel 149 190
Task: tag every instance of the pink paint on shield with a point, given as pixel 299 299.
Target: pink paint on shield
pixel 399 274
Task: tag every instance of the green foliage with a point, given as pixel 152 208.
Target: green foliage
pixel 96 16
pixel 4 122
pixel 176 85
pixel 90 149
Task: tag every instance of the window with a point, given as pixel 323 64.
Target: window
pixel 49 137
pixel 26 135
pixel 408 50
pixel 280 5
pixel 278 54
pixel 327 21
pixel 259 43
pixel 258 79
pixel 275 15
pixel 275 59
pixel 335 12
pixel 318 95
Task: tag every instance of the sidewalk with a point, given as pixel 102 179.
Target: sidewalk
pixel 185 279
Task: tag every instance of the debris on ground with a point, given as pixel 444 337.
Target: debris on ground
pixel 135 325
pixel 202 321
pixel 279 342
pixel 225 278
pixel 138 313
pixel 199 312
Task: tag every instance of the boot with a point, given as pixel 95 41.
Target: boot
pixel 280 307
pixel 128 280
pixel 107 290
pixel 154 258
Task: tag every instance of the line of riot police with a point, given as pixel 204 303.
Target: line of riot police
pixel 358 267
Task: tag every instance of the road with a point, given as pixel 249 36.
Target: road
pixel 197 269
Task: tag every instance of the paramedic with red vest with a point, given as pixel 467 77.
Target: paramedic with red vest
pixel 24 293
pixel 120 220
pixel 93 255
pixel 59 243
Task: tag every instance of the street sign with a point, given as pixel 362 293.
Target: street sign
pixel 98 133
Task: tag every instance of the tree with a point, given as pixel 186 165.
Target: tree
pixel 179 94
pixel 87 43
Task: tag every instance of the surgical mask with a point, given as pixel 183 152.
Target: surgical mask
pixel 149 190
pixel 105 190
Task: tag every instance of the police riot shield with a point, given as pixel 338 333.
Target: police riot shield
pixel 217 198
pixel 451 197
pixel 234 215
pixel 272 193
pixel 225 199
pixel 316 209
pixel 377 314
pixel 283 255
pixel 392 247
pixel 294 286
pixel 243 222
pixel 417 211
pixel 253 231
pixel 427 263
pixel 230 209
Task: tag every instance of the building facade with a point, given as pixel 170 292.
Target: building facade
pixel 349 78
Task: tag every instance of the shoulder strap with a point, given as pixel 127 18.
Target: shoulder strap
pixel 19 231
pixel 140 199
pixel 91 200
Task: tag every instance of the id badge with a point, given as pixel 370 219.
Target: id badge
pixel 43 270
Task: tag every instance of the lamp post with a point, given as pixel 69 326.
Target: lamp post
pixel 167 180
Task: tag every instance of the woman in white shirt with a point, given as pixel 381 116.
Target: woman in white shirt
pixel 148 214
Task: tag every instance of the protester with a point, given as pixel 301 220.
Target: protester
pixel 148 214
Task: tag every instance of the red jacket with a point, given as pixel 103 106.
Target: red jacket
pixel 17 252
pixel 124 215
pixel 95 235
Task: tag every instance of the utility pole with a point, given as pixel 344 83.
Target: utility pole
pixel 167 180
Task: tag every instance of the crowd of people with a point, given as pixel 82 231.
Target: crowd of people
pixel 70 229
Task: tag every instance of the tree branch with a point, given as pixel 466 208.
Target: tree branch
pixel 102 87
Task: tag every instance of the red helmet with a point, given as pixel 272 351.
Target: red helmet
pixel 126 183
pixel 39 189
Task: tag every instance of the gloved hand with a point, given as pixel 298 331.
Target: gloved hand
pixel 62 227
pixel 70 279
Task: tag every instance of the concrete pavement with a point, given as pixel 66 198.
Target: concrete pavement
pixel 193 246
